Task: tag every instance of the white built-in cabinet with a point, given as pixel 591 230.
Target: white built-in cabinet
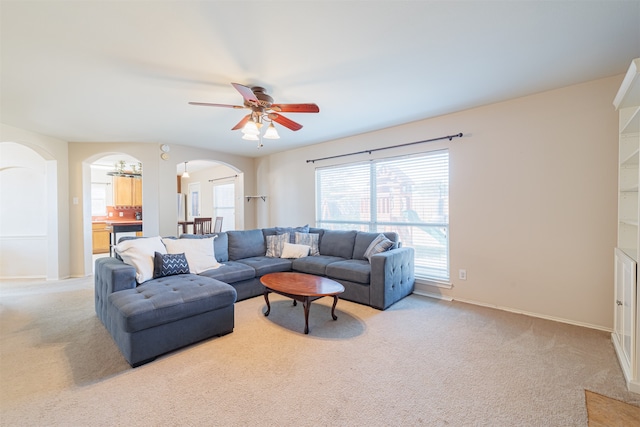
pixel 626 328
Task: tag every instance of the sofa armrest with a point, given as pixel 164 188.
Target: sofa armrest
pixel 392 276
pixel 113 275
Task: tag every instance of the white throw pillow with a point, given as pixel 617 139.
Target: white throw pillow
pixel 309 239
pixel 140 254
pixel 291 250
pixel 199 252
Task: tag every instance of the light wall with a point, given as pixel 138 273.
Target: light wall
pixel 533 187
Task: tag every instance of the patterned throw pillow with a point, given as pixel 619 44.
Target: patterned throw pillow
pixel 169 265
pixel 275 244
pixel 309 239
pixel 378 245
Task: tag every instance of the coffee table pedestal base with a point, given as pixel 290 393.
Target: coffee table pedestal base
pixel 306 303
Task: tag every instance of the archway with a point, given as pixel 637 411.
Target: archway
pixel 29 211
pixel 207 185
pixel 104 176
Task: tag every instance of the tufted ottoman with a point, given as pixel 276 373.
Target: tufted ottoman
pixel 167 313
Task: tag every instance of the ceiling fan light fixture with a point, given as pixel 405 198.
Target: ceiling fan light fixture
pixel 251 128
pixel 271 132
pixel 250 137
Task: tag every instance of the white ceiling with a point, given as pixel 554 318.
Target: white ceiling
pixel 123 71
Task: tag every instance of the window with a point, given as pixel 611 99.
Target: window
pixel 409 195
pixel 224 204
pixel 98 199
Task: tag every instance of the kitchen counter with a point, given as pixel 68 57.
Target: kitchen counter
pixel 122 222
pixel 122 226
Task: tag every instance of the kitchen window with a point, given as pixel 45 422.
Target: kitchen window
pixel 98 199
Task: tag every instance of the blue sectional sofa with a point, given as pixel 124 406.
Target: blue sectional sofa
pixel 166 313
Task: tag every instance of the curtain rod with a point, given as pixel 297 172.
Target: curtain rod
pixel 449 137
pixel 224 177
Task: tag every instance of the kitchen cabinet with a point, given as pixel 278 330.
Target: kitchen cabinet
pixel 127 191
pixel 101 236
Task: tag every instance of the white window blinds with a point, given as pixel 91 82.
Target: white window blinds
pixel 408 195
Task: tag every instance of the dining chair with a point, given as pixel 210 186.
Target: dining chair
pixel 217 227
pixel 201 225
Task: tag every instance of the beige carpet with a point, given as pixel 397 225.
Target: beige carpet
pixel 421 362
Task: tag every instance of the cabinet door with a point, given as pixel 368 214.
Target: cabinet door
pixel 122 191
pixel 137 191
pixel 625 293
pixel 101 238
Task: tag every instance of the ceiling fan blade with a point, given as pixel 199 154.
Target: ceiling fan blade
pixel 207 104
pixel 288 123
pixel 246 93
pixel 296 108
pixel 242 122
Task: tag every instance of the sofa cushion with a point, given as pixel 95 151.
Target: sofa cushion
pixel 168 299
pixel 353 270
pixel 314 264
pixel 338 243
pixel 292 231
pixel 220 244
pixel 263 265
pixel 364 239
pixel 231 272
pixel 246 244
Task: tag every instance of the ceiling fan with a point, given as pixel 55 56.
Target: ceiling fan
pixel 263 110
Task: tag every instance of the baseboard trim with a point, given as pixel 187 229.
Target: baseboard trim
pixel 23 277
pixel 538 315
pixel 432 295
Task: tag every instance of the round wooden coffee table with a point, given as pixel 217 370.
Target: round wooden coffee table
pixel 301 287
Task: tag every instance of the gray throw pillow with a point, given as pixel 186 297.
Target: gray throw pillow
pixel 378 245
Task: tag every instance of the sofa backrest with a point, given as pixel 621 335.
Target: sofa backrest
pixel 338 243
pixel 364 239
pixel 246 244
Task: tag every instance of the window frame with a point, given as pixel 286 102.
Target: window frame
pixel 438 271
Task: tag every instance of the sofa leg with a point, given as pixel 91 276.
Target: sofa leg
pixel 135 365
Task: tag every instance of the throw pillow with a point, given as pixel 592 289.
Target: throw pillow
pixel 199 253
pixel 169 265
pixel 309 239
pixel 378 245
pixel 275 243
pixel 139 253
pixel 291 250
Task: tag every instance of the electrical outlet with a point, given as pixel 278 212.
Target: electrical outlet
pixel 462 274
pixel 121 214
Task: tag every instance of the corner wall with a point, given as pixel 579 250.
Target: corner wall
pixel 532 198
